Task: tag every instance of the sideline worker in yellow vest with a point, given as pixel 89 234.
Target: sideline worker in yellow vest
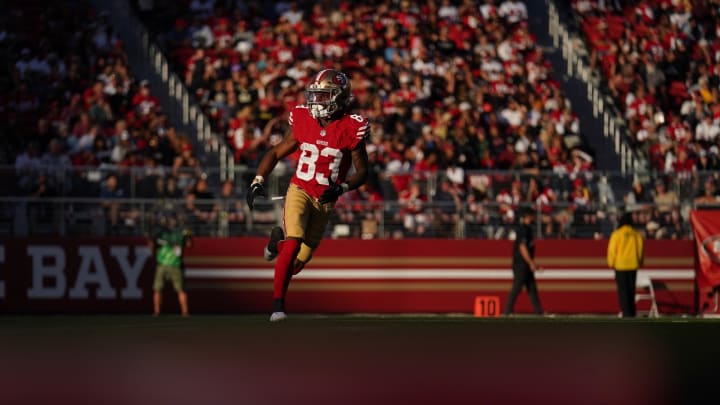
pixel 625 254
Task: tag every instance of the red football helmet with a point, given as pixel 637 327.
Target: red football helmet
pixel 327 93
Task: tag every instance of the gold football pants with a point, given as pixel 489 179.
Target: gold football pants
pixel 305 218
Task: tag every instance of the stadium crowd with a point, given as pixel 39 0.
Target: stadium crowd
pixel 450 88
pixel 459 84
pixel 70 99
pixel 661 63
pixel 467 119
pixel 76 122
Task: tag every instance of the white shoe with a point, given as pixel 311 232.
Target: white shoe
pixel 278 316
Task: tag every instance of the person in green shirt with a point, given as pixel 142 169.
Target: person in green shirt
pixel 169 243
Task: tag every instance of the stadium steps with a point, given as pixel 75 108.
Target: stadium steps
pixel 574 89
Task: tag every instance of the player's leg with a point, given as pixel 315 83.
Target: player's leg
pixel 274 243
pixel 175 274
pixel 296 216
pixel 517 285
pixel 532 290
pixel 182 299
pixel 319 217
pixel 631 292
pixel 283 274
pixel 158 284
pixel 302 259
pixel 625 296
pixel 157 302
pixel 284 266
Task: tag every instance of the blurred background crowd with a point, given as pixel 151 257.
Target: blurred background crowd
pixel 469 120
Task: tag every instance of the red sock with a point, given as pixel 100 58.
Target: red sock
pixel 284 267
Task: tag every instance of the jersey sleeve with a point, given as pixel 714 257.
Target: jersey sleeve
pixel 295 120
pixel 361 130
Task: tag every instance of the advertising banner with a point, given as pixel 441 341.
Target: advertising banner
pixel 229 275
pixel 706 229
pixel 46 275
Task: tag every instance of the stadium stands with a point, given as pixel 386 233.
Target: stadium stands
pixel 447 88
pixel 448 81
pixel 468 120
pixel 661 63
pixel 77 120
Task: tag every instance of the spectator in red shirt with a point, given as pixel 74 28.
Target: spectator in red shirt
pixel 144 102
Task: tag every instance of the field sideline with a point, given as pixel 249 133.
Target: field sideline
pixel 352 359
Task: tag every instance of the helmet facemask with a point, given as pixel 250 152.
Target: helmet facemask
pixel 327 93
pixel 322 102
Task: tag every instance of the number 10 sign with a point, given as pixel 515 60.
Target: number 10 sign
pixel 487 306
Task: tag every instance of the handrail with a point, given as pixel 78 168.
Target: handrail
pixel 22 216
pixel 177 94
pixel 574 53
pixel 686 185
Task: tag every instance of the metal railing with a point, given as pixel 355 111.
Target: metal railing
pixel 175 97
pixel 607 186
pixel 575 54
pixel 229 217
pixel 80 201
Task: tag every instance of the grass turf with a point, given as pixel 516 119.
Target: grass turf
pixel 357 359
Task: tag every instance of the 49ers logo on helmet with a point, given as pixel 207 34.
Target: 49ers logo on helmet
pixel 340 79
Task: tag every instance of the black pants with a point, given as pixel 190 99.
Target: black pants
pixel 625 281
pixel 523 278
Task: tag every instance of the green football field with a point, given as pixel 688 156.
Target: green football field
pixel 357 359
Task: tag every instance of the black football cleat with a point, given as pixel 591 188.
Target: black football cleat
pixel 271 250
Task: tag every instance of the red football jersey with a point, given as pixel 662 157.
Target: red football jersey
pixel 324 152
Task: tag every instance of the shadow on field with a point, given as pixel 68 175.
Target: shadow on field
pixel 355 360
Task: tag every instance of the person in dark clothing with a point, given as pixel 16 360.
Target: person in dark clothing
pixel 523 264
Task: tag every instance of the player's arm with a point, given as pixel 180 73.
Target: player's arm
pixel 287 146
pixel 360 163
pixel 525 253
pixel 611 250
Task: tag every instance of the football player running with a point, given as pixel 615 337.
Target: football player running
pixel 330 139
